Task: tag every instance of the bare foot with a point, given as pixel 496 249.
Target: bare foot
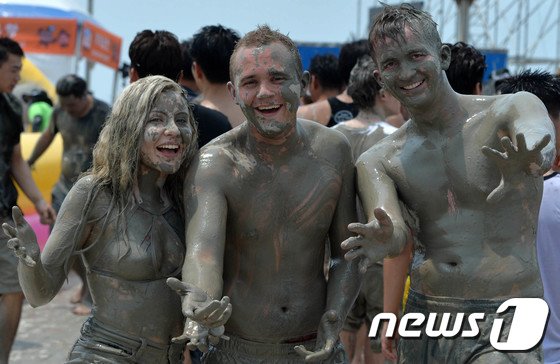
pixel 81 310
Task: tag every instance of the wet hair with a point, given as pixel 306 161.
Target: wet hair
pixel 71 85
pixel 325 68
pixel 211 49
pixel 466 68
pixel 116 155
pixel 392 21
pixel 156 53
pixel 9 46
pixel 540 83
pixel 187 60
pixel 349 55
pixel 363 88
pixel 262 36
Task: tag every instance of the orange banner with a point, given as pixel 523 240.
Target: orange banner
pixel 41 35
pixel 100 46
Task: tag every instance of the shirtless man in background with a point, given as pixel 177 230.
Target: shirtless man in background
pixel 469 170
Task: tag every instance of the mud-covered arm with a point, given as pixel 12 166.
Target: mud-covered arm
pixel 206 213
pixel 41 282
pixel 385 233
pixel 525 114
pixel 345 279
pixel 526 142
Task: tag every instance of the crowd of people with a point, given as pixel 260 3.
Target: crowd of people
pixel 232 207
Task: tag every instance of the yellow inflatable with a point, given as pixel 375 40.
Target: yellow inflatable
pixel 30 73
pixel 45 171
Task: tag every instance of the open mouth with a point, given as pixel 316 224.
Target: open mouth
pixel 270 109
pixel 412 86
pixel 168 150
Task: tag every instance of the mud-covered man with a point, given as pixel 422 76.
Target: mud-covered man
pixel 260 201
pixel 468 168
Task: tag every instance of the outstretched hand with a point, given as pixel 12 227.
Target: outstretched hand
pixel 369 245
pixel 23 241
pixel 205 317
pixel 327 337
pixel 514 163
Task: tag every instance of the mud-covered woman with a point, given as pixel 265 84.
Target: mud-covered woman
pixel 124 220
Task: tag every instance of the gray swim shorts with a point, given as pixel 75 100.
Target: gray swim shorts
pixel 458 349
pixel 240 351
pixel 102 344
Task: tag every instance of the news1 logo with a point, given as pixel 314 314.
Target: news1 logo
pixel 526 330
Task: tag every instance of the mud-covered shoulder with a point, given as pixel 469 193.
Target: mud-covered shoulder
pixel 325 140
pixel 86 197
pixel 387 147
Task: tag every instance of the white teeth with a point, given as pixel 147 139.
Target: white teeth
pixel 268 107
pixel 414 85
pixel 169 146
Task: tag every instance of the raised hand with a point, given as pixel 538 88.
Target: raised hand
pixel 515 163
pixel 23 241
pixel 370 244
pixel 205 317
pixel 327 337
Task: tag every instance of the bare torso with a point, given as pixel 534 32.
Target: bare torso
pixel 273 261
pixel 468 247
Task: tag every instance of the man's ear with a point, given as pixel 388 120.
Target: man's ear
pixel 478 89
pixel 232 92
pixel 304 81
pixel 133 75
pixel 197 71
pixel 179 77
pixel 445 54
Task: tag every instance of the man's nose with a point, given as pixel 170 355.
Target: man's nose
pixel 408 69
pixel 264 90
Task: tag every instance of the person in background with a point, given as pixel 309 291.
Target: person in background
pixel 39 109
pixel 147 51
pixel 187 79
pixel 338 108
pixel 325 79
pixel 12 168
pixel 211 49
pixel 466 69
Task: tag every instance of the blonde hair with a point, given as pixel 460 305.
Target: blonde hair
pixel 117 152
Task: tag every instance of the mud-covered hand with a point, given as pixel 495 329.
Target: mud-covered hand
pixel 205 317
pixel 199 336
pixel 515 163
pixel 23 241
pixel 370 244
pixel 327 337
